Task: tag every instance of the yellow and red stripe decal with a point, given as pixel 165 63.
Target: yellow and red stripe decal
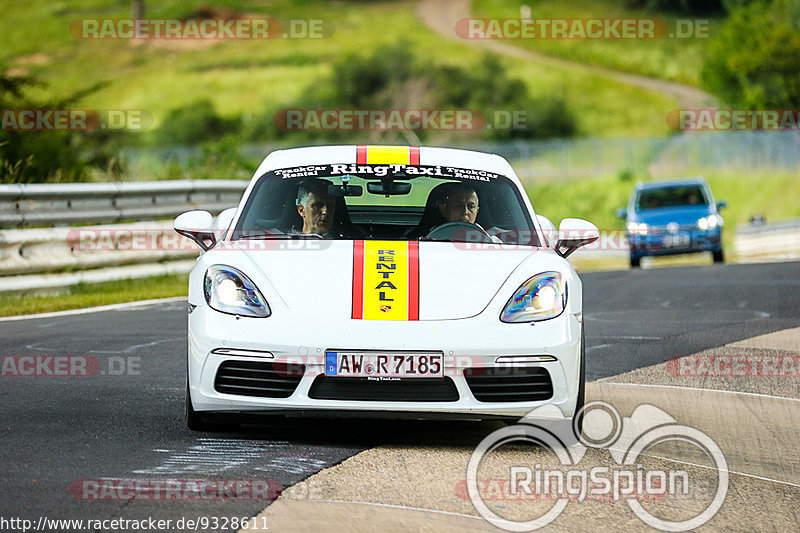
pixel 387 155
pixel 385 280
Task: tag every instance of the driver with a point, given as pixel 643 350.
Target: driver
pixel 315 206
pixel 461 205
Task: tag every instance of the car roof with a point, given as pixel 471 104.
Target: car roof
pixel 427 155
pixel 673 182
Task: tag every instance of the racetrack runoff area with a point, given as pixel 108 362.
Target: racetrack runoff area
pixel 419 484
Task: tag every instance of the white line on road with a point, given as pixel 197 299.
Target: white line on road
pixel 700 389
pixel 98 309
pixel 394 506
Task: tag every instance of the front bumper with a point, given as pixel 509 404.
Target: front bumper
pixel 662 242
pixel 467 343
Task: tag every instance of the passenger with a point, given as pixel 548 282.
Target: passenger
pixel 316 207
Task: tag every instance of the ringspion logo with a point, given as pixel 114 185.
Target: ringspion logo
pixel 627 440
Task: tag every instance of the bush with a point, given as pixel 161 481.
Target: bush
pixel 193 124
pixel 49 156
pixel 394 78
pixel 754 61
pixel 681 6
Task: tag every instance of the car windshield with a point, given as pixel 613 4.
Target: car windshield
pixel 672 196
pixel 386 202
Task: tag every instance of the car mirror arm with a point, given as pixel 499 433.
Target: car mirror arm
pixel 574 233
pixel 566 246
pixel 205 240
pixel 197 226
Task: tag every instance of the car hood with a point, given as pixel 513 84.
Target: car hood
pixel 681 215
pixel 316 278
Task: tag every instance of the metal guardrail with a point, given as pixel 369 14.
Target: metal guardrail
pixel 28 257
pixel 45 250
pixel 776 240
pixel 29 205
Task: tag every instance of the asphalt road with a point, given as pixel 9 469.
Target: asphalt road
pixel 126 421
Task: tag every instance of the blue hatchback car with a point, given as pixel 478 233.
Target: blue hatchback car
pixel 673 217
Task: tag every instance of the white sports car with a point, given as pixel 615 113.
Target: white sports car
pixel 383 280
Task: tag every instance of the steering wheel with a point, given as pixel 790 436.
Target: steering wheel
pixel 471 232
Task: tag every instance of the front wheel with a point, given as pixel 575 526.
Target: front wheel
pixel 194 420
pixel 577 424
pixel 636 262
pixel 719 257
pixel 198 421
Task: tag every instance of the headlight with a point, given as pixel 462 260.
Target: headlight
pixel 229 291
pixel 709 222
pixel 541 297
pixel 641 229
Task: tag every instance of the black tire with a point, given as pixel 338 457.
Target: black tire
pixel 581 401
pixel 194 420
pixel 636 262
pixel 719 256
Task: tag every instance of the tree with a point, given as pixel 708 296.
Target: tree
pixel 38 156
pixel 754 62
pixel 138 9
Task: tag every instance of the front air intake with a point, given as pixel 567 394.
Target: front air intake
pixel 509 384
pixel 257 378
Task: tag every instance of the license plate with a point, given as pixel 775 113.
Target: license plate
pixel 386 364
pixel 674 241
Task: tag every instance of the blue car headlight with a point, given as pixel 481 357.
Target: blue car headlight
pixel 634 228
pixel 709 222
pixel 542 297
pixel 228 290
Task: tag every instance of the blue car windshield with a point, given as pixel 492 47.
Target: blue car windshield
pixel 673 196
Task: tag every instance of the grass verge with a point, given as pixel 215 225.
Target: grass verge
pixel 767 192
pixel 85 295
pixel 674 59
pixel 246 77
